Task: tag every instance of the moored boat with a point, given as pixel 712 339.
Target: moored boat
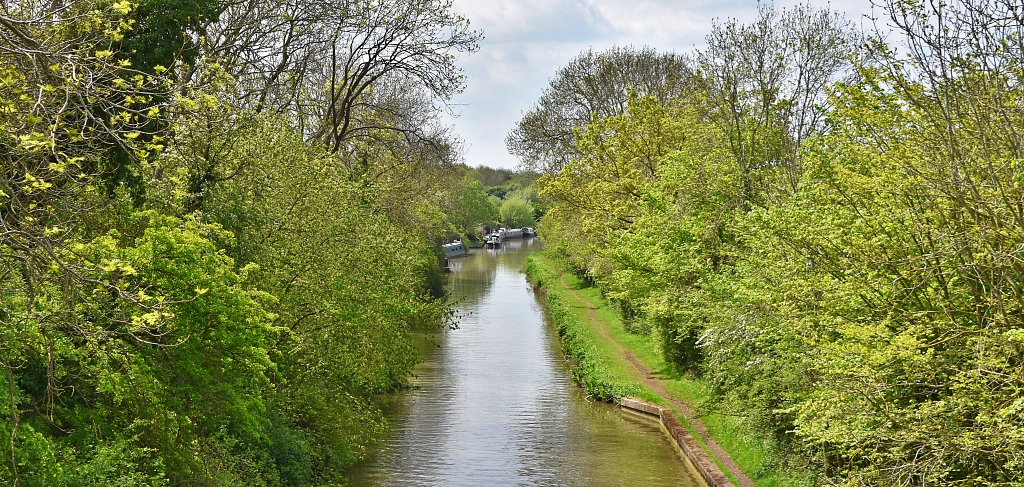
pixel 454 249
pixel 493 241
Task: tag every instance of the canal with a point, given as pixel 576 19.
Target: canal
pixel 492 403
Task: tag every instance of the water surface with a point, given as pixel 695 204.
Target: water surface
pixel 493 404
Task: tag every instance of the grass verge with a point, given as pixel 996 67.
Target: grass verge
pixel 594 337
pixel 604 380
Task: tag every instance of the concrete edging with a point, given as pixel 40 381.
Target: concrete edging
pixel 701 461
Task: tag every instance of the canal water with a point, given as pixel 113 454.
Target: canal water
pixel 492 403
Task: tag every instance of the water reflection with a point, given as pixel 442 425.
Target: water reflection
pixel 492 402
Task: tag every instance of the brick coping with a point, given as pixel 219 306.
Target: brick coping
pixel 701 461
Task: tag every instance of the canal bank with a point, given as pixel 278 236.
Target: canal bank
pixel 615 363
pixel 494 403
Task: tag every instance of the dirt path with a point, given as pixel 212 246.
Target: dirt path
pixel 684 409
pixel 652 381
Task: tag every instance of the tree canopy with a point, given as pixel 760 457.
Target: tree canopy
pixel 198 205
pixel 593 84
pixel 826 233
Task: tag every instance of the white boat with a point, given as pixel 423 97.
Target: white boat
pixel 454 249
pixel 529 232
pixel 493 240
pixel 513 233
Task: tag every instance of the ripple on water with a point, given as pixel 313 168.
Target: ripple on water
pixel 493 404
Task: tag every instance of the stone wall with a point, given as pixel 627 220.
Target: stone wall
pixel 702 462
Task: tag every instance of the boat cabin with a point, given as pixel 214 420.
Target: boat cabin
pixel 493 240
pixel 454 249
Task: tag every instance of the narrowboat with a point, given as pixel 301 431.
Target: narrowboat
pixel 493 241
pixel 454 249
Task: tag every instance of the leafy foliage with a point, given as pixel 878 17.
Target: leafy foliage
pixel 846 278
pixel 195 291
pixel 162 32
pixel 593 84
pixel 472 208
pixel 516 213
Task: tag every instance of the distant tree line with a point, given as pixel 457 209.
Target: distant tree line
pixel 493 198
pixel 825 225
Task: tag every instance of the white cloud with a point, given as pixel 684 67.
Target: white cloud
pixel 536 20
pixel 664 22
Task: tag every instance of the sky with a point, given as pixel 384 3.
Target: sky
pixel 526 41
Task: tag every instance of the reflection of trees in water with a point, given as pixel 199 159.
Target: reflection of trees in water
pixel 472 276
pixel 494 402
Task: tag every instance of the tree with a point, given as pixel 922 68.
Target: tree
pixel 162 32
pixel 140 342
pixel 844 271
pixel 491 177
pixel 343 67
pixel 344 299
pixel 516 213
pixel 765 86
pixel 619 159
pixel 906 238
pixel 162 344
pixel 592 85
pixel 473 209
pixel 66 104
pixel 649 213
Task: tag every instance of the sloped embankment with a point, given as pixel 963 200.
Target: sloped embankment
pixel 610 370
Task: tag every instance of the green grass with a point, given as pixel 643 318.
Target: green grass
pixel 603 379
pixel 595 322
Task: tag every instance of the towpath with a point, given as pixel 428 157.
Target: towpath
pixel 654 383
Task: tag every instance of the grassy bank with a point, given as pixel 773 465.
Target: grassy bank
pixel 603 379
pixel 595 338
